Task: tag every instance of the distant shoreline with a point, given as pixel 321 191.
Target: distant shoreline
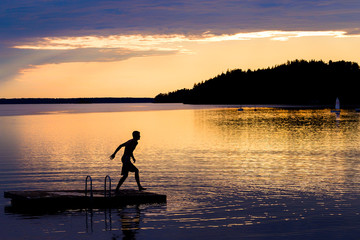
pixel 107 100
pixel 73 100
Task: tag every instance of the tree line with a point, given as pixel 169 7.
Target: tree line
pixel 297 82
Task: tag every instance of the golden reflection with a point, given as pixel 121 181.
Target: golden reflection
pixel 72 146
pixel 266 149
pixel 302 150
pixel 220 168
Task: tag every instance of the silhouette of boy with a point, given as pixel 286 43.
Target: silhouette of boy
pixel 127 164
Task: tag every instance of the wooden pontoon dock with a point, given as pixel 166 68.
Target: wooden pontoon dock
pixel 80 199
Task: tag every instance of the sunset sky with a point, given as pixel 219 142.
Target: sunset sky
pixel 138 48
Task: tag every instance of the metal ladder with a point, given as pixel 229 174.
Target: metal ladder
pixel 109 191
pixel 86 186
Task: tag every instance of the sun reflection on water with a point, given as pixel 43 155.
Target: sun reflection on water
pixel 220 168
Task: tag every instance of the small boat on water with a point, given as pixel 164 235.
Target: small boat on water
pixel 240 109
pixel 337 106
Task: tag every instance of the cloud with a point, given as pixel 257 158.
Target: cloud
pixel 43 18
pixel 54 50
pixel 22 59
pixel 131 42
pixel 172 42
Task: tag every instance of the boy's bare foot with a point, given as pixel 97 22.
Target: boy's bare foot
pixel 142 188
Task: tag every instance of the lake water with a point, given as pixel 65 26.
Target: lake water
pixel 263 173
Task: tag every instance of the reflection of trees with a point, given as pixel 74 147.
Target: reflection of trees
pixel 297 82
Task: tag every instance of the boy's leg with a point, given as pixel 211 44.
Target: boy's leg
pixel 121 181
pixel 137 178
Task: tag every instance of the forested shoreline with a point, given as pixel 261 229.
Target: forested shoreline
pixel 297 82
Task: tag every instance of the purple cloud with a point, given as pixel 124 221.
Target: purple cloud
pixel 41 18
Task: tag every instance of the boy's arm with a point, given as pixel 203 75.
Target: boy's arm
pixel 132 155
pixel 112 156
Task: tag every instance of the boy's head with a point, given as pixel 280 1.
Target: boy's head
pixel 136 135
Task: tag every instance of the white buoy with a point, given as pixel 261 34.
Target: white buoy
pixel 337 106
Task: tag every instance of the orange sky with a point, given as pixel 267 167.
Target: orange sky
pixel 166 62
pixel 96 48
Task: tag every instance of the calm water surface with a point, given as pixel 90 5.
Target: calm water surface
pixel 263 173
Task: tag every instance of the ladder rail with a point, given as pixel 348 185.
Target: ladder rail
pixel 107 177
pixel 86 186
